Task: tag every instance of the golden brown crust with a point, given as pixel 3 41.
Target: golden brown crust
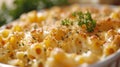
pixel 39 39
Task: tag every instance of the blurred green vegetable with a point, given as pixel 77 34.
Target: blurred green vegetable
pixel 23 6
pixel 2 15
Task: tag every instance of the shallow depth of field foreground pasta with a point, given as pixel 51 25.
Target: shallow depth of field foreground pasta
pixel 61 37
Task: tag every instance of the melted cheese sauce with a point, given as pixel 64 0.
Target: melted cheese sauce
pixel 37 39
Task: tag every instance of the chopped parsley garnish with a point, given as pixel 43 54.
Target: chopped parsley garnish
pixel 82 19
pixel 85 19
pixel 67 22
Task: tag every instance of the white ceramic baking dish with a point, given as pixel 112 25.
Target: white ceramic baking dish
pixel 110 61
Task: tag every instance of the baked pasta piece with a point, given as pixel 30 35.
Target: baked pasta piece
pixel 61 37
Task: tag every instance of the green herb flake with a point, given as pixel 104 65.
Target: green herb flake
pixel 22 44
pixel 67 22
pixel 85 19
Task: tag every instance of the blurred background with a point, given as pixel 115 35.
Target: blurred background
pixel 12 9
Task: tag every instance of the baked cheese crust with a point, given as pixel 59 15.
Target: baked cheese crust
pixel 37 39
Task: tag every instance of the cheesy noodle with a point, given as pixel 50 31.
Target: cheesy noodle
pixel 38 39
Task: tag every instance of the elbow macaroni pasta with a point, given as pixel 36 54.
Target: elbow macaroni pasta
pixel 37 39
